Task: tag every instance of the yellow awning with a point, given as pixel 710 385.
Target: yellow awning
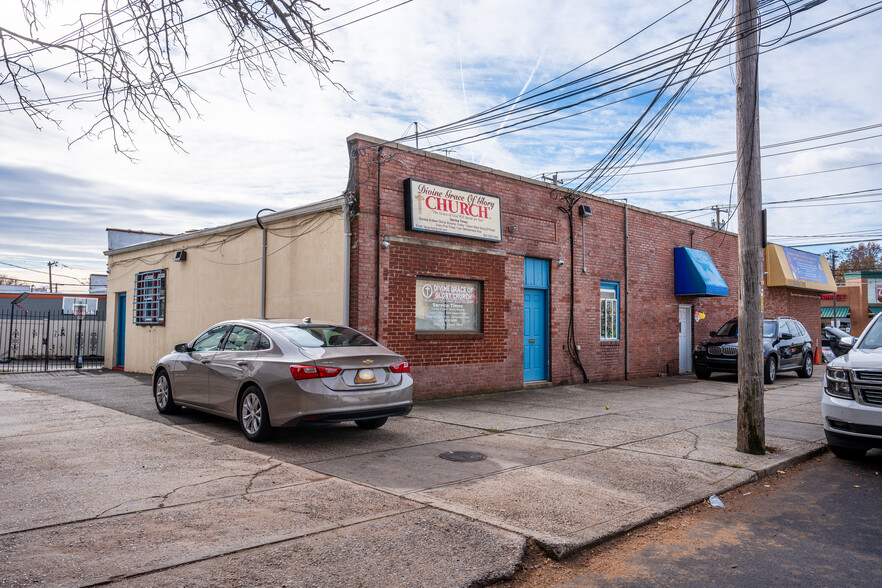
pixel 792 268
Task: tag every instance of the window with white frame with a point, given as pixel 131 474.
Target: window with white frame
pixel 149 306
pixel 609 311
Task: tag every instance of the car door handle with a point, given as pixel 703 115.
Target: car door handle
pixel 242 362
pixel 206 360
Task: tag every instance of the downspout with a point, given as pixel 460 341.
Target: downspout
pixel 625 297
pixel 262 262
pixel 347 259
pixel 378 241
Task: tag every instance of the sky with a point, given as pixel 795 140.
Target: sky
pixel 434 62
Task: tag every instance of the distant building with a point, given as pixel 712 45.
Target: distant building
pixel 120 238
pixel 54 301
pixel 98 284
pixel 18 288
pixel 856 302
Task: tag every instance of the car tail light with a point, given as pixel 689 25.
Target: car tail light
pixel 308 372
pixel 400 368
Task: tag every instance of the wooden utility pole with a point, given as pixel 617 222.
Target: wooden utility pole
pixel 751 418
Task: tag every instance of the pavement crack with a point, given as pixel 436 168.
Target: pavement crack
pixel 694 444
pixel 259 473
pixel 124 502
pixel 251 477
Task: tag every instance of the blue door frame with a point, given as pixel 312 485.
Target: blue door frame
pixel 120 329
pixel 535 319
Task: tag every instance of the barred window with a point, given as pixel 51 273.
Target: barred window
pixel 149 307
pixel 609 311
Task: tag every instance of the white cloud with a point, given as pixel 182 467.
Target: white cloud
pixel 286 146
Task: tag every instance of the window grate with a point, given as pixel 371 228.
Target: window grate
pixel 149 306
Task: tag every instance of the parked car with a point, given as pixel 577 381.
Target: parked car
pixel 852 401
pixel 837 340
pixel 786 346
pixel 282 373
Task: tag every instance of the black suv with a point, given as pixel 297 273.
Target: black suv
pixel 786 346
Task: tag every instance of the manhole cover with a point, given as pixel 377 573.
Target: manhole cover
pixel 462 456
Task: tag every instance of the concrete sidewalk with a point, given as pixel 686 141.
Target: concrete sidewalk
pixel 94 494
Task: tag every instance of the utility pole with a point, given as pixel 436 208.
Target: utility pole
pixel 834 322
pixel 51 263
pixel 718 208
pixel 751 418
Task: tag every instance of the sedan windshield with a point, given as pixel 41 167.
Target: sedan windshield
pixel 873 338
pixel 324 336
pixel 838 332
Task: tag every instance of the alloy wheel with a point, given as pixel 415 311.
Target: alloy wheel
pixel 252 413
pixel 162 391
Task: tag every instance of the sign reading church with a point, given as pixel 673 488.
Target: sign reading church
pixel 448 211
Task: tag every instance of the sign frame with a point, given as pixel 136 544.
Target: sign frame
pixel 477 202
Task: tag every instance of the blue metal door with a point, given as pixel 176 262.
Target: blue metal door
pixel 535 319
pixel 120 329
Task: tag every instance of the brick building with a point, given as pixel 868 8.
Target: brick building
pixel 611 245
pixel 857 301
pixel 483 279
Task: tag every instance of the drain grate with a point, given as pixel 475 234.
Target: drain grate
pixel 462 456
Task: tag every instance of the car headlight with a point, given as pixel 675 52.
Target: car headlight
pixel 700 348
pixel 837 383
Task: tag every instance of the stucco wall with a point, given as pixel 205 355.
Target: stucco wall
pixel 220 280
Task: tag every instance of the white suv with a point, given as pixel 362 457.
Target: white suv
pixel 852 401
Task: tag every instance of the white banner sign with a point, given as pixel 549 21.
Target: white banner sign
pixel 439 209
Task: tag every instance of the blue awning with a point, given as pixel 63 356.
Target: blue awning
pixel 696 275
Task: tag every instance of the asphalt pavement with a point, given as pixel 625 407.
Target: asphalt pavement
pixel 97 487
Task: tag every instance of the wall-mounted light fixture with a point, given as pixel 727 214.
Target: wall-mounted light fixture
pixel 384 244
pixel 560 262
pixel 180 256
pixel 584 210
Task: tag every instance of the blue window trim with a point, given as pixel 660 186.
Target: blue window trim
pixel 609 285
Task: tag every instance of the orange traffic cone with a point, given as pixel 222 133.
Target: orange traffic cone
pixel 817 355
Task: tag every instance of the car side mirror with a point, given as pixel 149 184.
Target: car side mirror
pixel 181 348
pixel 786 336
pixel 713 333
pixel 847 342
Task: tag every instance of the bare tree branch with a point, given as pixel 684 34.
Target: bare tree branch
pixel 129 59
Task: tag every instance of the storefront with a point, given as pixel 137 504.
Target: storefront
pixel 483 279
pixel 856 302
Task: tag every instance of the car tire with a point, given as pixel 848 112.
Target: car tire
pixel 253 415
pixel 808 366
pixel 162 394
pixel 372 423
pixel 702 374
pixel 770 372
pixel 847 452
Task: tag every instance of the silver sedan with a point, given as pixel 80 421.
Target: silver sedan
pixel 281 373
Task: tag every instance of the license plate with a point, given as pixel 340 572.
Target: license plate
pixel 365 377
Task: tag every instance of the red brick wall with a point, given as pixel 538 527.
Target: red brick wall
pixel 803 306
pixel 454 364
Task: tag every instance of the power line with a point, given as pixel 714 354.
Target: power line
pixel 526 102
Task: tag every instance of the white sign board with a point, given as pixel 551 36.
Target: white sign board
pixel 448 211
